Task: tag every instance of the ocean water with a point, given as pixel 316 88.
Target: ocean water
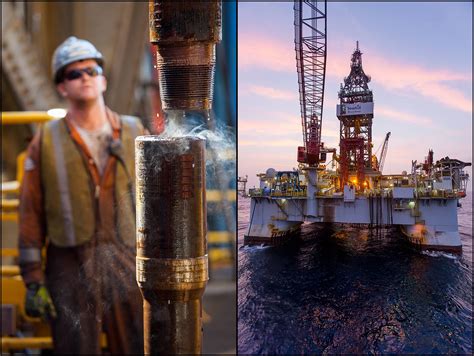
pixel 349 290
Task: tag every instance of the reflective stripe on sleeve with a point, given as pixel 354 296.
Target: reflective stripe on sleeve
pixel 28 255
pixel 63 186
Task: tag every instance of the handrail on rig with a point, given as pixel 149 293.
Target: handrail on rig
pixel 27 117
pixel 10 206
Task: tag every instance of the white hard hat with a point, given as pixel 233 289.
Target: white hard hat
pixel 72 50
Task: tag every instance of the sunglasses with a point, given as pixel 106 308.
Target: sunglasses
pixel 77 73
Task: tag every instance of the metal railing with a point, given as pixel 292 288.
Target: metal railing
pixel 26 117
pixel 257 192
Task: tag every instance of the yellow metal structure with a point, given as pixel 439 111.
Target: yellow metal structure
pixel 10 271
pixel 220 255
pixel 9 252
pixel 13 289
pixel 13 293
pixel 10 204
pixel 13 216
pixel 213 195
pixel 21 343
pixel 10 187
pixel 25 117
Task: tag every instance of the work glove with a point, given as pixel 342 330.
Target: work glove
pixel 38 303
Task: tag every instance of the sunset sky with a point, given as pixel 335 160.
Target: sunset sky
pixel 418 56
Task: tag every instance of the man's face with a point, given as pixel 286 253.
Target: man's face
pixel 85 88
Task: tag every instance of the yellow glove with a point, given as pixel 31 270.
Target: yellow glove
pixel 38 303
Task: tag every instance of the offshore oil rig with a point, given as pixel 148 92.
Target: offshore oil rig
pixel 350 188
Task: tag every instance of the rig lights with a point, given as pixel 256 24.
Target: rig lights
pixel 411 204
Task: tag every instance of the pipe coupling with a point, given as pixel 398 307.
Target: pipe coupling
pixel 169 274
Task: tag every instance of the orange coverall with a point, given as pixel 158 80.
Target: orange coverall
pixel 93 285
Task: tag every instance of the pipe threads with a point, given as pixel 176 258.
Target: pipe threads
pixel 186 76
pixel 186 34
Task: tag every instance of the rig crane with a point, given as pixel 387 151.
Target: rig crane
pixel 383 153
pixel 310 46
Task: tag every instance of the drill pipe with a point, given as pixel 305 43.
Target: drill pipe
pixel 172 261
pixel 186 33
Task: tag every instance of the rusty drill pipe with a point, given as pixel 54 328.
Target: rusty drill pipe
pixel 172 261
pixel 186 33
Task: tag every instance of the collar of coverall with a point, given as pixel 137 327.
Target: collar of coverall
pixel 114 121
pixel 112 118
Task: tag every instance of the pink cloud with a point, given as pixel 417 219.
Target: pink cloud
pixel 448 96
pixel 264 52
pixel 397 76
pixel 382 111
pixel 271 143
pixel 272 93
pixel 247 125
pixel 260 51
pixel 282 126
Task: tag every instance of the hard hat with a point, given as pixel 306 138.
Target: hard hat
pixel 72 50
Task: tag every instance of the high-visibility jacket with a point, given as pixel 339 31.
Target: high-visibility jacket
pixel 64 201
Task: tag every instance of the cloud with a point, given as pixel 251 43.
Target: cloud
pixel 270 130
pixel 272 93
pixel 450 97
pixel 407 77
pixel 291 125
pixel 271 143
pixel 402 116
pixel 258 51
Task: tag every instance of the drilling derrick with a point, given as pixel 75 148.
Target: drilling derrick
pixel 310 46
pixel 355 113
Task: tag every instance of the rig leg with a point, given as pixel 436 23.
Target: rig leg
pixel 268 224
pixel 439 238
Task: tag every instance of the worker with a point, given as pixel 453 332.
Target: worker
pixel 77 200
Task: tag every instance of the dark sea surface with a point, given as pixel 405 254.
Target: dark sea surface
pixel 337 290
